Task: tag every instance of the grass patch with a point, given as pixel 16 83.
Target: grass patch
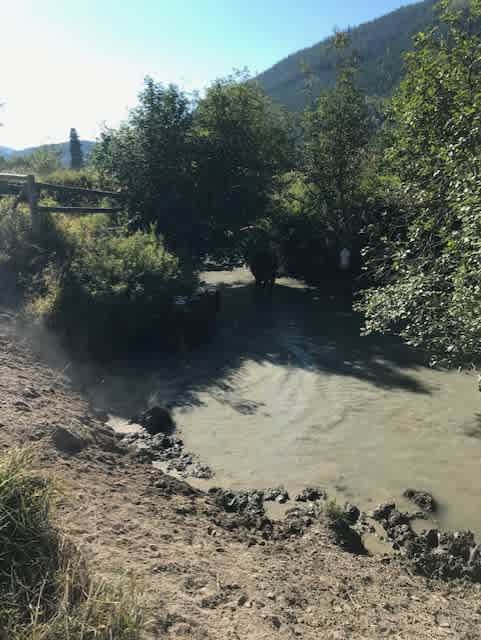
pixel 46 592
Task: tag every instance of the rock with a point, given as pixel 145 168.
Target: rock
pixel 382 511
pixel 22 406
pixel 68 442
pixel 433 554
pixel 311 494
pixel 396 518
pixel 351 513
pixel 201 471
pixel 423 499
pixel 168 486
pixel 156 420
pixel 279 494
pixel 347 537
pixel 100 415
pixel 276 623
pixel 30 392
pixel 250 502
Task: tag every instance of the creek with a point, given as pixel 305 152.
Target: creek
pixel 289 393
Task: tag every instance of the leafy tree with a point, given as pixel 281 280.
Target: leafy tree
pixel 198 170
pixel 425 259
pixel 337 132
pixel 151 156
pixel 243 143
pixel 76 155
pixel 45 160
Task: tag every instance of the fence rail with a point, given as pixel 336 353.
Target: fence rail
pixel 28 189
pixel 72 210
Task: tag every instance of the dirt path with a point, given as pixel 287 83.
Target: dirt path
pixel 201 580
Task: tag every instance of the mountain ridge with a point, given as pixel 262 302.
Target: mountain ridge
pixel 380 45
pixel 63 148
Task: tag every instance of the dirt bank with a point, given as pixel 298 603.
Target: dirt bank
pixel 203 578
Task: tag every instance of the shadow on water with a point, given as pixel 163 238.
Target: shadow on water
pixel 292 327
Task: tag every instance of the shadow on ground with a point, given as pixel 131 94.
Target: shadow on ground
pixel 293 327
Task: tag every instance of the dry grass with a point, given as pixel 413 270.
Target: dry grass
pixel 46 592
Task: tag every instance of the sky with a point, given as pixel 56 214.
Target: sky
pixel 71 63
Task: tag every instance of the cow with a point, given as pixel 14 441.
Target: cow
pixel 264 264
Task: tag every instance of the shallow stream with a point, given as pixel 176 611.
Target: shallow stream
pixel 289 393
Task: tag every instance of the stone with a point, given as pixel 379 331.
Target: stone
pixel 382 511
pixel 347 537
pixel 311 494
pixel 276 623
pixel 351 513
pixel 423 499
pixel 30 392
pixel 279 494
pixel 68 442
pixel 22 406
pixel 156 420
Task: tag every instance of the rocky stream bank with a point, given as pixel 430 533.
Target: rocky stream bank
pixel 215 565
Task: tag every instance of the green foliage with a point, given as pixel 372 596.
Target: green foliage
pixel 243 142
pixel 426 259
pixel 42 161
pixel 321 208
pixel 198 170
pixel 112 288
pixel 151 157
pixel 101 286
pixel 24 254
pixel 45 590
pixel 336 135
pixel 85 178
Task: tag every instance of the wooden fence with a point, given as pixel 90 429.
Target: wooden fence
pixel 27 189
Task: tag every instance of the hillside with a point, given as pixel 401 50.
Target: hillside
pixel 63 148
pixel 380 45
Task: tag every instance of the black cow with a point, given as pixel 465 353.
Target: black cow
pixel 264 264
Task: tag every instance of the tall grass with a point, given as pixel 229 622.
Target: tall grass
pixel 46 592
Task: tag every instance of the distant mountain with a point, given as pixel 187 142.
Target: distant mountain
pixel 6 152
pixel 380 45
pixel 63 148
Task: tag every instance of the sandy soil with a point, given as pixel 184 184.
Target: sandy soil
pixel 201 580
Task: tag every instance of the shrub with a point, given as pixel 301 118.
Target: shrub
pixel 25 253
pixel 99 285
pixel 86 178
pixel 45 590
pixel 113 289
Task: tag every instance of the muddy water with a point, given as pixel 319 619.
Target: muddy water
pixel 289 393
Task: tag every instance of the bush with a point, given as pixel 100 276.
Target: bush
pixel 86 178
pixel 113 289
pixel 103 288
pixel 25 253
pixel 45 590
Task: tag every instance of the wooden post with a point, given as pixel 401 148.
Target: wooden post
pixel 32 197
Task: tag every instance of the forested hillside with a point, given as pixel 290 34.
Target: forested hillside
pixel 380 45
pixel 62 149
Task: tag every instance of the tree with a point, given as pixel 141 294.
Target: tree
pixel 336 133
pixel 198 170
pixel 151 156
pixel 425 259
pixel 243 142
pixel 45 160
pixel 76 155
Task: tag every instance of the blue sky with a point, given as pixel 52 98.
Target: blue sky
pixel 85 61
